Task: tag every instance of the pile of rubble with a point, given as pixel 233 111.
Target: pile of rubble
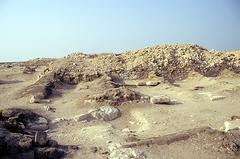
pixel 22 135
pixel 171 62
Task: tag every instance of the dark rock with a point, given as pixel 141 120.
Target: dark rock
pixel 12 140
pixel 40 138
pixel 25 155
pixel 52 143
pixel 48 153
pixel 25 143
pixel 38 127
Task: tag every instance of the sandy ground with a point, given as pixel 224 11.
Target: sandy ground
pixel 143 119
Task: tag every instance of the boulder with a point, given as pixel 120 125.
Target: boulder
pixel 106 113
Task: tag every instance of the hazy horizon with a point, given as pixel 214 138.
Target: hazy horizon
pixel 42 29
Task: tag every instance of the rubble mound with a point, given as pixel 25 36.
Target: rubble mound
pixel 171 62
pixel 22 135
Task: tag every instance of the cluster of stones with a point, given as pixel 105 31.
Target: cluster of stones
pixel 22 135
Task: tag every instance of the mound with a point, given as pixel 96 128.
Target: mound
pixel 172 62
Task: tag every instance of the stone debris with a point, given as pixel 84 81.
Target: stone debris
pixel 152 83
pixel 230 125
pixel 57 120
pixel 83 117
pixel 117 152
pixel 213 98
pixel 40 138
pixel 106 113
pixel 29 70
pixel 163 99
pixel 116 96
pixel 18 139
pixel 34 99
pixel 49 108
pixel 142 83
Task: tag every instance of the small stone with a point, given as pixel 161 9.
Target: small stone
pixel 57 120
pixel 94 149
pixel 40 138
pixel 34 99
pixel 152 83
pixel 163 99
pixel 141 84
pixel 213 98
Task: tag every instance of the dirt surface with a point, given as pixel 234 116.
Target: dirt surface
pixel 205 90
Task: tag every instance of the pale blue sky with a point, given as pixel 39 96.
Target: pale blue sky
pixel 54 28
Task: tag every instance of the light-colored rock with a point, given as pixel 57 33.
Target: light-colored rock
pixel 117 152
pixel 163 99
pixel 106 113
pixel 213 98
pixel 34 99
pixel 152 83
pixel 57 120
pixel 229 125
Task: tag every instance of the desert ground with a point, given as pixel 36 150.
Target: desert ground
pixel 173 101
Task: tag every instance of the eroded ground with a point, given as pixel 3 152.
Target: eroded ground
pixel 139 119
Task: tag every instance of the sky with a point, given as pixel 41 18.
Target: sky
pixel 54 28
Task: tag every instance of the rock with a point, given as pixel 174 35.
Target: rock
pixel 141 83
pixel 41 120
pixel 83 117
pixel 152 83
pixel 24 155
pixel 106 113
pixel 117 152
pixel 230 125
pixel 40 138
pixel 57 120
pixel 38 127
pixel 163 99
pixel 93 149
pixel 52 143
pixel 11 140
pixel 213 98
pixel 48 108
pixel 234 117
pixel 7 113
pixel 34 99
pixel 48 153
pixel 25 143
